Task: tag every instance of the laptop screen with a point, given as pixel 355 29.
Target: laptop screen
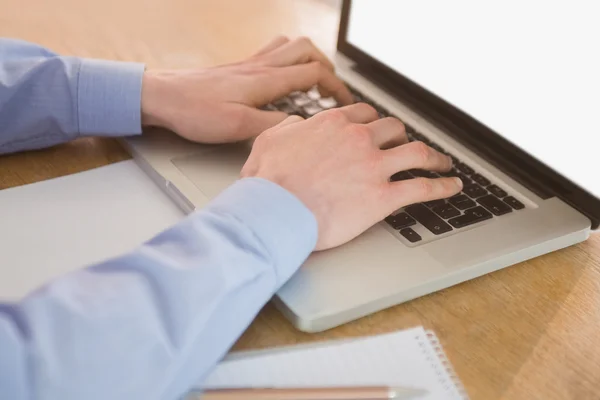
pixel 530 71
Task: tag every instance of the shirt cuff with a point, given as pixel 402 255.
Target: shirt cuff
pixel 109 98
pixel 284 225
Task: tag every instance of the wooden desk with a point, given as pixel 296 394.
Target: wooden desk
pixel 527 332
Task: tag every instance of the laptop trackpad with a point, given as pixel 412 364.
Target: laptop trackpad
pixel 215 170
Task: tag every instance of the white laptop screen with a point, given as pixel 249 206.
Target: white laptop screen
pixel 529 70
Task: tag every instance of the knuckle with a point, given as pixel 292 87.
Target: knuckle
pixel 396 123
pixel 368 110
pixel 304 40
pixel 422 152
pixel 334 116
pixel 319 68
pixel 314 70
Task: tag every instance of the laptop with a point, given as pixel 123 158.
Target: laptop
pixel 507 91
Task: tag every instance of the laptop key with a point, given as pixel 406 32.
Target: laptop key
pixel 446 211
pixel 313 93
pixel 383 113
pixel 470 217
pixel 269 107
pixel 401 176
pixel 327 103
pixel 465 168
pixel 408 128
pixel 514 203
pixel 435 203
pixel 465 179
pixel 453 172
pixel 410 235
pixel 497 191
pixel 461 202
pixel 312 109
pixel 494 204
pixel 286 108
pixel 428 219
pixel 301 100
pixel 400 221
pixel 284 101
pixel 474 191
pixel 480 179
pixel 423 173
pixel 300 112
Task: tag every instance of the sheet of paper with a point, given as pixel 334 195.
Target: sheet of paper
pixel 52 227
pixel 407 359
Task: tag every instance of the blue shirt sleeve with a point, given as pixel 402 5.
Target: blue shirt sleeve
pixel 47 99
pixel 152 323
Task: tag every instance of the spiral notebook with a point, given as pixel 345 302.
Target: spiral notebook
pixel 410 358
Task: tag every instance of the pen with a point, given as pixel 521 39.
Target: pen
pixel 338 393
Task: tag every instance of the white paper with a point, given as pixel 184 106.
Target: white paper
pixel 405 359
pixel 55 226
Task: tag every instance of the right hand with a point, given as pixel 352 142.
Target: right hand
pixel 334 163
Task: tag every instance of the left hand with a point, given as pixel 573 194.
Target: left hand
pixel 219 104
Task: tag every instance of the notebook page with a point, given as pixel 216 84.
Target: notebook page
pixel 76 220
pixel 396 359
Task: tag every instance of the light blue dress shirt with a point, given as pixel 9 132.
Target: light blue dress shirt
pixel 152 323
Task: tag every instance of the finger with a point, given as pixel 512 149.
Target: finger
pixel 251 121
pixel 280 82
pixel 403 193
pixel 272 45
pixel 291 119
pixel 388 133
pixel 298 51
pixel 359 113
pixel 414 155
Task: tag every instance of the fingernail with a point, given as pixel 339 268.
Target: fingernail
pixel 459 182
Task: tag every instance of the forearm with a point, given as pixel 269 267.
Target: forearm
pixel 46 99
pixel 151 323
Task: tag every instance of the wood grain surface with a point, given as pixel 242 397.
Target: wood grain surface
pixel 531 331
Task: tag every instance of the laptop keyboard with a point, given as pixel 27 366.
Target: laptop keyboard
pixel 479 201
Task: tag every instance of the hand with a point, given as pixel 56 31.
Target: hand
pixel 216 105
pixel 334 163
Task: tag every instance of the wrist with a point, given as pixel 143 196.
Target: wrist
pixel 154 90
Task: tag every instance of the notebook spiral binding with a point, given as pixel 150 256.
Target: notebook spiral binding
pixel 447 372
